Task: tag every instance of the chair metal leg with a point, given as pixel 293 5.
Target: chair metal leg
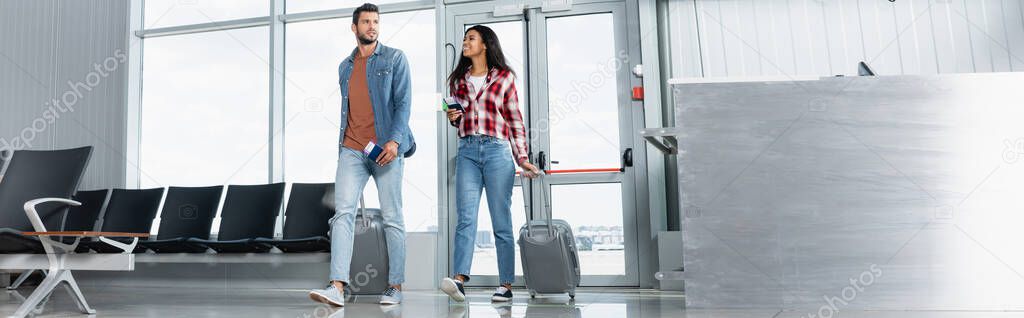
pixel 56 253
pixel 72 287
pixel 37 296
pixel 20 298
pixel 53 278
pixel 21 279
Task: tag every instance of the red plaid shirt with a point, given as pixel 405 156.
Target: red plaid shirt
pixel 493 112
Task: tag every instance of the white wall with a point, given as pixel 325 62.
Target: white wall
pixel 747 38
pixel 44 45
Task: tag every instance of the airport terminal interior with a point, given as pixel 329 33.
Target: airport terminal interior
pixel 616 158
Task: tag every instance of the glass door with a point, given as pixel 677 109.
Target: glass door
pixel 573 81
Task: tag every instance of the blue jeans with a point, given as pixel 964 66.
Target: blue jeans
pixel 484 162
pixel 354 170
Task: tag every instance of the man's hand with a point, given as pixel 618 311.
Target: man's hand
pixel 389 154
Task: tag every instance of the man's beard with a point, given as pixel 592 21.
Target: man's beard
pixel 366 40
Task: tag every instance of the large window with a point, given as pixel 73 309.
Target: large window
pixel 312 109
pixel 205 102
pixel 206 108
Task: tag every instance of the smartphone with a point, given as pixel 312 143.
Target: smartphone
pixel 451 103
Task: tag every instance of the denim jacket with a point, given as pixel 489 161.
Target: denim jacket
pixel 390 85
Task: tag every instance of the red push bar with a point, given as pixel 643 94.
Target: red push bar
pixel 583 170
pixel 579 171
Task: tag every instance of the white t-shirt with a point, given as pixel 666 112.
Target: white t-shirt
pixel 478 82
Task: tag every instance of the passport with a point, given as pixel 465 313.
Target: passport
pixel 372 150
pixel 450 103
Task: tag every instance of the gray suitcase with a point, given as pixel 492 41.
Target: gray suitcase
pixel 368 274
pixel 551 263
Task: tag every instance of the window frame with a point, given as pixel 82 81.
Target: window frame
pixel 277 20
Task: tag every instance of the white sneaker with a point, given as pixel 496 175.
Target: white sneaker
pixel 391 296
pixel 331 296
pixel 502 294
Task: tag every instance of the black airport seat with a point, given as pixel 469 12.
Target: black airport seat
pixel 305 224
pixel 83 217
pixel 249 212
pixel 128 211
pixel 34 175
pixel 187 213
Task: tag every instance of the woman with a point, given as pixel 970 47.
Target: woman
pixel 492 137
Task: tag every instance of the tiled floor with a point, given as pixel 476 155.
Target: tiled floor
pixel 158 302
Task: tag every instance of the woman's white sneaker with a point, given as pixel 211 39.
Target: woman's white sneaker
pixel 502 294
pixel 454 289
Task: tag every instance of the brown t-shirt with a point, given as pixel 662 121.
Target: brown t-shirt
pixel 360 109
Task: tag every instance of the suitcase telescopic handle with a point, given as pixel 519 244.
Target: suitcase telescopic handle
pixel 544 198
pixel 547 204
pixel 526 196
pixel 360 212
pixel 362 205
pixel 328 200
pixel 526 202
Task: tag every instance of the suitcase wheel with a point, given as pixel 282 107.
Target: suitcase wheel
pixel 533 294
pixel 572 295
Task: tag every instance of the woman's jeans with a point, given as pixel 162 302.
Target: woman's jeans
pixel 484 162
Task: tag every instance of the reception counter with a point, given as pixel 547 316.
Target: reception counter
pixel 818 195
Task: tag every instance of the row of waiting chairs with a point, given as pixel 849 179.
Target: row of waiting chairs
pixel 248 219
